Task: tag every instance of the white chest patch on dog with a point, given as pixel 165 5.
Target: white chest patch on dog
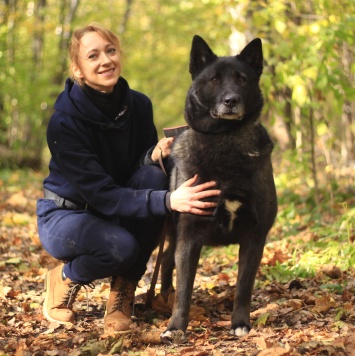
pixel 232 206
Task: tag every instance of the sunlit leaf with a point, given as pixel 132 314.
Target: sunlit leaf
pixel 262 319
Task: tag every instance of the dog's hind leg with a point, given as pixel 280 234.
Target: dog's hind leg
pixel 186 257
pixel 250 254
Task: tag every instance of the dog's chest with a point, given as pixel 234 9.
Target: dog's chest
pixel 211 155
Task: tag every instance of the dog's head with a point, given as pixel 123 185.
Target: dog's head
pixel 225 90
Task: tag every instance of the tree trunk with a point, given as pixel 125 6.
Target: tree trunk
pixel 348 136
pixel 123 26
pixel 281 128
pixel 299 136
pixel 31 153
pixel 348 119
pixel 67 14
pixel 313 153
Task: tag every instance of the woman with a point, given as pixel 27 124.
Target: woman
pixel 105 198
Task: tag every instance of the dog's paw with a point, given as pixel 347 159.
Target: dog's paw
pixel 172 337
pixel 240 331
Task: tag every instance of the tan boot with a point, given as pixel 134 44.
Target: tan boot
pixel 119 305
pixel 60 296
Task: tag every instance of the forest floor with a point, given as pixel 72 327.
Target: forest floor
pixel 303 301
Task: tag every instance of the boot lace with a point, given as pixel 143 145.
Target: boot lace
pixel 125 294
pixel 70 295
pixel 72 292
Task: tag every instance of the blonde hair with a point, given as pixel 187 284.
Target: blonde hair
pixel 76 37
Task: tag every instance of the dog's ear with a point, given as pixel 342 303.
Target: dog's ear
pixel 201 55
pixel 253 55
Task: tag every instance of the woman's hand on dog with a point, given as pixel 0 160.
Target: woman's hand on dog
pixel 187 198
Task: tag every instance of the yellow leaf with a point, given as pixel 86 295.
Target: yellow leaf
pixel 262 319
pixel 280 26
pixel 13 219
pixel 322 129
pixel 13 261
pixel 21 219
pixel 299 94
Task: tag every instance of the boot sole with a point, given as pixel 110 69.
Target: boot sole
pixel 45 313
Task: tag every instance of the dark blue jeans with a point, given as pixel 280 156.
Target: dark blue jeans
pixel 96 247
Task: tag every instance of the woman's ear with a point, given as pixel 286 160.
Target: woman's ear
pixel 77 72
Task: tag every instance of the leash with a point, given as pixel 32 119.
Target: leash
pixel 161 163
pixel 151 291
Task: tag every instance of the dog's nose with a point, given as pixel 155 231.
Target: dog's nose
pixel 231 100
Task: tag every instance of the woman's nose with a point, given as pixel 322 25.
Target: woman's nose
pixel 105 58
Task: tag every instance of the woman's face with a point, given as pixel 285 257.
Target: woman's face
pixel 99 63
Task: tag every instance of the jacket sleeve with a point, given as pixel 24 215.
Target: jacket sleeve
pixel 147 129
pixel 81 177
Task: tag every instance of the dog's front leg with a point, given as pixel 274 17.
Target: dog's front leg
pixel 250 254
pixel 186 259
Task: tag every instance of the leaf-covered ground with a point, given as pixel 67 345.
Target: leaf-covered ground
pixel 303 303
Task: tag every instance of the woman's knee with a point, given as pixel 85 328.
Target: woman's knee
pixel 120 253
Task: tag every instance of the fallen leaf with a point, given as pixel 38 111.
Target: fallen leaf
pixel 197 313
pixel 331 271
pixel 269 308
pixel 223 278
pixel 192 351
pixel 263 343
pixel 295 304
pixel 163 304
pixel 4 291
pixel 21 219
pixel 151 337
pixel 274 351
pixel 14 261
pixel 17 199
pixel 274 257
pixel 262 319
pixel 323 304
pixel 349 344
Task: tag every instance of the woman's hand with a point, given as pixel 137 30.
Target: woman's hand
pixel 187 198
pixel 163 148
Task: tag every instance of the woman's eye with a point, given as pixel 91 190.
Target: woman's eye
pixel 111 50
pixel 92 56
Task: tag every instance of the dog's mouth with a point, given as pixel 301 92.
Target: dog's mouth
pixel 222 112
pixel 231 116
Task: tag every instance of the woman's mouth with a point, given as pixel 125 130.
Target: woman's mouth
pixel 107 72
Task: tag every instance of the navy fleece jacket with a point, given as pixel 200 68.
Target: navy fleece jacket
pixel 93 156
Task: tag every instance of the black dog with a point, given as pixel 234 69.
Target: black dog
pixel 225 143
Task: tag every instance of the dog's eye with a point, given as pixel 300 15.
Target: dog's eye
pixel 214 80
pixel 241 78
